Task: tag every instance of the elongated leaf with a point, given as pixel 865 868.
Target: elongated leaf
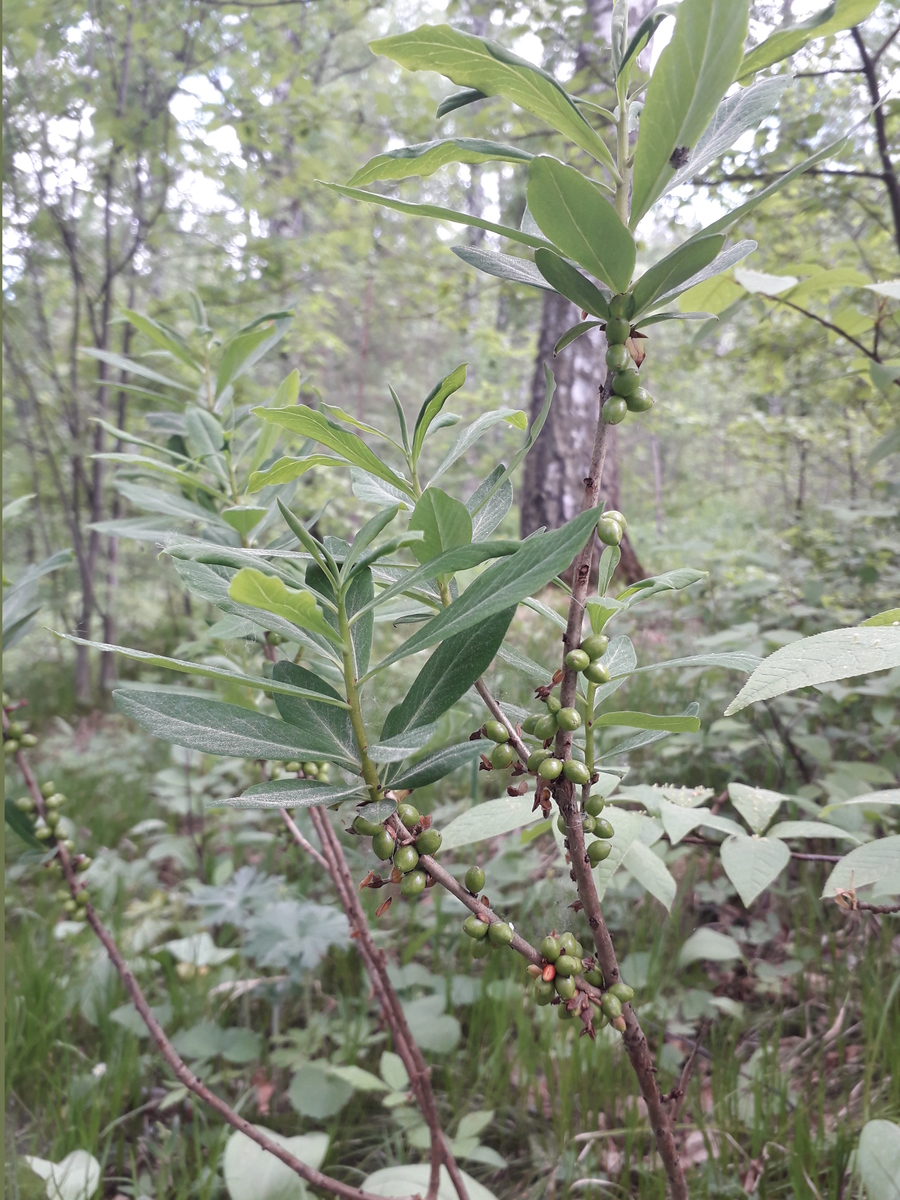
pixel 457 100
pixel 639 720
pixel 682 264
pixel 427 157
pixel 891 616
pixel 376 491
pixel 294 793
pixel 141 464
pixel 502 266
pixel 572 334
pixel 473 62
pixel 285 470
pixel 433 404
pixel 692 75
pixel 436 213
pixel 840 14
pixel 402 745
pixel 470 435
pixel 573 214
pixel 256 590
pixel 205 439
pixel 875 864
pixel 320 714
pixel 643 739
pixel 155 501
pixel 669 581
pixel 448 674
pixel 213 727
pixel 436 766
pixel 644 33
pixel 133 367
pixel 505 583
pixel 651 872
pixel 569 282
pixel 246 349
pixel 735 660
pixel 444 521
pixel 490 508
pixel 22 824
pixel 167 338
pixel 722 262
pixel 308 423
pixel 490 820
pixel 359 604
pixel 677 316
pixel 822 658
pixel 810 829
pixel 752 863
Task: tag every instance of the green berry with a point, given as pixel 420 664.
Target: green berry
pixel 57 800
pixel 596 672
pixel 408 815
pixel 561 823
pixel 293 767
pixel 613 514
pixel 617 357
pixel 429 842
pixel 622 992
pixel 603 829
pixel 587 823
pixel 615 410
pixel 481 949
pixel 537 757
pixel 568 943
pixel 70 906
pixel 565 986
pixel 577 660
pixel 594 977
pixel 625 382
pixel 15 729
pixel 6 699
pixel 53 818
pixel 568 718
pixel 611 1006
pixel 474 928
pixel 83 864
pixel 502 756
pixel 617 330
pixel 500 934
pixel 529 723
pixel 550 948
pixel 367 828
pixel 550 768
pixel 545 727
pixel 595 645
pixel 622 305
pixel 543 992
pixel 639 400
pixel 383 844
pixel 10 746
pixel 48 788
pixel 567 964
pixel 83 898
pixel 413 884
pixel 554 704
pixel 609 532
pixel 576 772
pixel 594 805
pixel 496 731
pixel 474 880
pixel 28 740
pixel 324 772
pixel 597 852
pixel 563 1013
pixel 25 804
pixel 310 769
pixel 406 858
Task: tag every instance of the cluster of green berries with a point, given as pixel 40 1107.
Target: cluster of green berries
pixel 542 761
pixel 627 393
pixel 593 824
pixel 485 935
pixel 16 735
pixel 47 829
pixel 309 770
pixel 403 856
pixel 564 960
pixel 588 658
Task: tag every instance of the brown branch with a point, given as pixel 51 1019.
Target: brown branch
pixel 179 1068
pixel 678 1093
pixel 890 175
pixel 826 324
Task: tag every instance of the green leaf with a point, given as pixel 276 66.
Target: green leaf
pixel 316 1093
pixel 642 739
pixel 756 805
pixel 538 560
pixel 752 863
pixel 651 873
pixel 644 33
pixel 436 213
pixel 708 945
pixel 435 766
pixel 324 720
pixel 294 793
pixel 722 262
pixel 287 469
pixel 432 1028
pixel 434 402
pixel 402 745
pixel 359 603
pixel 569 282
pixel 348 419
pixel 457 100
pixel 572 334
pixel 445 523
pixel 502 266
pixel 135 368
pixel 308 423
pixel 840 14
pixel 151 499
pixel 809 829
pixel 877 1160
pixel 168 339
pixel 489 503
pixel 367 535
pixel 470 435
pixel 449 673
pixel 890 616
pixel 251 1173
pixel 669 581
pixel 205 439
pixel 761 282
pixel 427 157
pixel 244 517
pixel 276 685
pixel 886 377
pixel 870 801
pixel 22 824
pixel 639 720
pixel 572 212
pixel 473 62
pixel 490 820
pixel 413 1180
pixel 376 491
pixel 256 590
pixel 246 349
pixel 682 264
pixel 822 658
pixel 693 73
pixel 877 863
pixel 213 727
pixel 735 660
pixel 76 1177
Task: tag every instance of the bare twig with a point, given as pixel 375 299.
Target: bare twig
pixel 678 1093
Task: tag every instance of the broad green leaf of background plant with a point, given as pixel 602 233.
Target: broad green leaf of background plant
pixel 651 873
pixel 573 213
pixel 822 658
pixel 709 945
pixel 308 423
pixel 474 62
pixel 505 583
pixel 840 14
pixel 877 1160
pixel 875 864
pixel 569 282
pixel 251 1173
pixel 693 73
pixel 427 157
pixel 433 404
pixel 674 269
pixel 752 863
pixel 214 727
pixel 76 1177
pixel 412 1180
pixel 890 616
pixel 444 521
pixel 253 588
pixel 490 820
pixel 756 805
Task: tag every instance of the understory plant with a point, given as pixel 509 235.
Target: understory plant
pixel 311 633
